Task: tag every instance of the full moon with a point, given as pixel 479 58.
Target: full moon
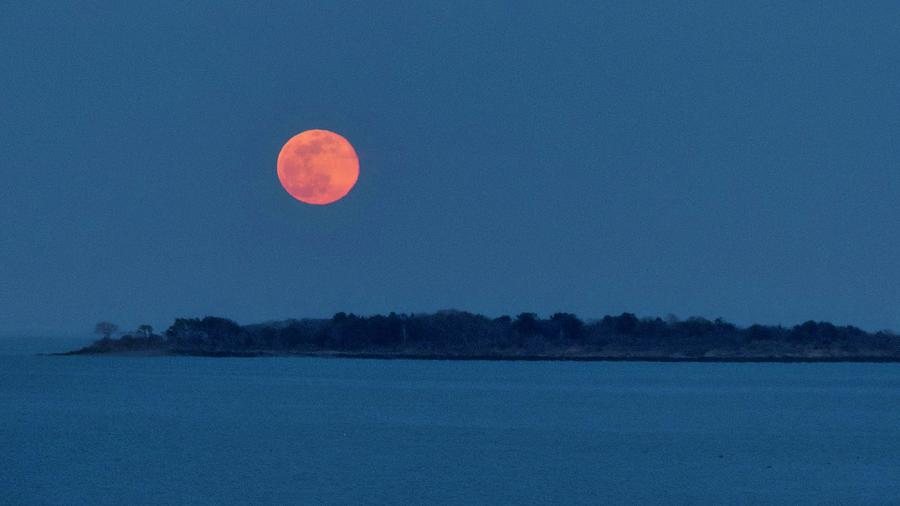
pixel 318 167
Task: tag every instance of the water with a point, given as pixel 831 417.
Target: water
pixel 159 430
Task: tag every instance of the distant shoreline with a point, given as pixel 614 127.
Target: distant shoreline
pixel 482 358
pixel 460 335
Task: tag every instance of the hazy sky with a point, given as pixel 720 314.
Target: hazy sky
pixel 668 157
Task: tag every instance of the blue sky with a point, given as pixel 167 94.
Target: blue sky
pixel 695 158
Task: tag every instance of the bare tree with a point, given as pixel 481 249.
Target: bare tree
pixel 106 329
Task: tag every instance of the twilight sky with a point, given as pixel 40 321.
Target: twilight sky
pixel 695 158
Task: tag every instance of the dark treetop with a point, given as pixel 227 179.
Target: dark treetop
pixel 459 335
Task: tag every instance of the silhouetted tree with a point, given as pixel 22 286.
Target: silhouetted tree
pixel 106 329
pixel 570 327
pixel 526 324
pixel 623 325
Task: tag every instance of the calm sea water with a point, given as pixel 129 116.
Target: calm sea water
pixel 107 430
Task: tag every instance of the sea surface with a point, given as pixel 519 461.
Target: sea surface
pixel 220 431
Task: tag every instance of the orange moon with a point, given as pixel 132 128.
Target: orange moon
pixel 318 167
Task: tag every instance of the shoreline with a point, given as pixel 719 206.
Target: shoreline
pixel 487 357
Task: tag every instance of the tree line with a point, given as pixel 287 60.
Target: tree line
pixel 463 333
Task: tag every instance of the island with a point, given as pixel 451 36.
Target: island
pixel 461 335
